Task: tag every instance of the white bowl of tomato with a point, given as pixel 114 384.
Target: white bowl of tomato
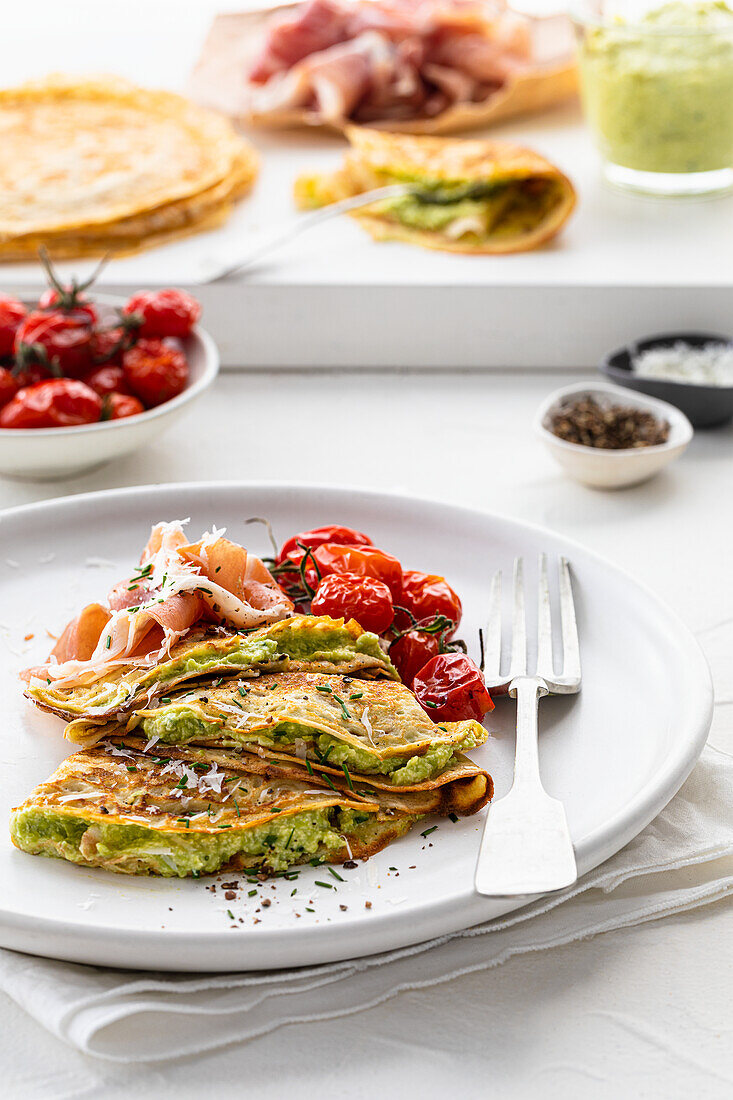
pixel 86 378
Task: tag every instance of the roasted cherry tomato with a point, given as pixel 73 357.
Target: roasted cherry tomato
pixel 9 386
pixel 410 653
pixel 107 379
pixel 108 344
pixel 61 341
pixel 155 371
pixel 12 313
pixel 70 299
pixel 425 596
pixel 115 406
pixel 164 312
pixel 451 688
pixel 346 536
pixel 58 403
pixel 349 596
pixel 365 561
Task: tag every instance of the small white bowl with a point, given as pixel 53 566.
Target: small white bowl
pixel 49 454
pixel 606 469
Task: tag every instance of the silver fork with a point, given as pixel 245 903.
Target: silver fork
pixel 526 846
pixel 283 234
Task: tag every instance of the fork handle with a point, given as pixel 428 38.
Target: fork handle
pixel 527 690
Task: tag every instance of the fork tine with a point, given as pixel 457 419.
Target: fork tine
pixel 492 641
pixel 518 666
pixel 570 644
pixel 545 664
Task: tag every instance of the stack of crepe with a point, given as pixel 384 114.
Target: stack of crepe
pixel 233 747
pixel 92 166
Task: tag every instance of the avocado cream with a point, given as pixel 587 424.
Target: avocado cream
pixel 659 93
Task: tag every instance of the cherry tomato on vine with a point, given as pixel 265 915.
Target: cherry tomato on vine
pixel 155 371
pixel 61 341
pixel 107 379
pixel 426 596
pixel 346 536
pixel 9 386
pixel 69 299
pixel 116 406
pixel 410 653
pixel 366 561
pixel 451 688
pixel 12 313
pixel 108 344
pixel 164 312
pixel 57 403
pixel 349 596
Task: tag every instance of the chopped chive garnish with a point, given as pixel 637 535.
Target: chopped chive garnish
pixel 287 842
pixel 325 885
pixel 429 831
pixel 251 893
pixel 165 699
pixel 324 688
pixel 241 691
pixel 428 703
pixel 308 766
pixel 231 915
pixel 328 780
pixel 294 892
pixel 195 874
pixel 357 695
pixel 309 910
pixel 236 806
pixel 335 874
pixel 229 826
pixel 342 704
pixel 107 645
pixel 348 777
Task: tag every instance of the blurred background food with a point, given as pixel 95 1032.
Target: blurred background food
pixel 424 66
pixel 100 165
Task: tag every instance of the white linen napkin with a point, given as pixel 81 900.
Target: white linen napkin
pixel 684 859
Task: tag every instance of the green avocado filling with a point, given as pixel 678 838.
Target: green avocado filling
pixel 272 651
pixel 135 849
pixel 180 723
pixel 471 210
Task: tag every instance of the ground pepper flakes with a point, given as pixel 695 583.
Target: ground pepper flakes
pixel 611 427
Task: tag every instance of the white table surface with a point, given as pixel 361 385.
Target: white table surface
pixel 643 1012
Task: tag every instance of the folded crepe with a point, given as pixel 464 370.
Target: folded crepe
pixel 333 725
pixel 307 643
pixel 197 811
pixel 472 196
pixel 418 66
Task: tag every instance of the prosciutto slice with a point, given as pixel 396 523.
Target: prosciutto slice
pixel 390 59
pixel 176 585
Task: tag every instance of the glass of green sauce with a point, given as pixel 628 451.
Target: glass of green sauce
pixel 657 89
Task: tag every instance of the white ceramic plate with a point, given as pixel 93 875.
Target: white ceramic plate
pixel 615 754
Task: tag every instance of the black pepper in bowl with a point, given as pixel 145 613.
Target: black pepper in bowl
pixel 612 427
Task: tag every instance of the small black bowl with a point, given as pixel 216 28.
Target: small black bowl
pixel 704 406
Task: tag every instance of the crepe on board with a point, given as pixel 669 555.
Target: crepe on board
pixel 471 196
pixel 98 165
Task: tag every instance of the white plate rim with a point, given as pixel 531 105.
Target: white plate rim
pixel 34 936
